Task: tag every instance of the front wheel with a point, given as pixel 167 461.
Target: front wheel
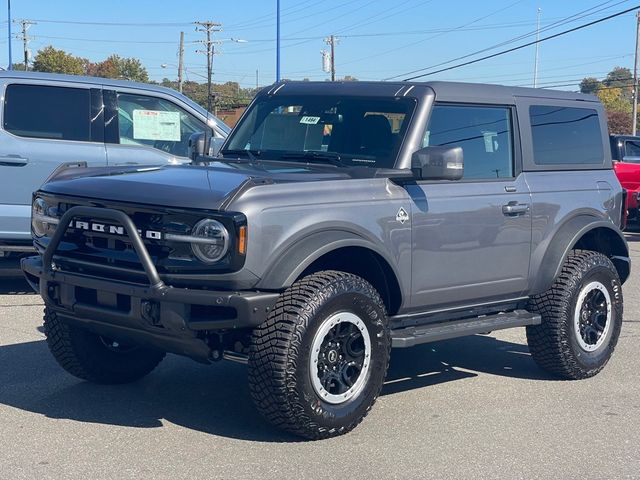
pixel 317 365
pixel 96 358
pixel 581 317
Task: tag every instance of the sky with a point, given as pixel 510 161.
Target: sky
pixel 377 39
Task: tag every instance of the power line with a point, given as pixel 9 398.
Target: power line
pixel 519 47
pixel 476 20
pixel 571 18
pixel 119 24
pixel 109 40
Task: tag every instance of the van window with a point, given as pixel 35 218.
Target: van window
pixel 157 123
pixel 39 111
pixel 484 133
pixel 566 135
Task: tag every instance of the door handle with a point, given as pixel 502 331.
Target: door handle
pixel 515 208
pixel 13 161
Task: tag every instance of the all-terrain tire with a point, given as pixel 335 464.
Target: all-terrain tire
pixel 91 357
pixel 281 357
pixel 556 343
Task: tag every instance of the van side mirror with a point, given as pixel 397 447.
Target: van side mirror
pixel 438 163
pixel 197 145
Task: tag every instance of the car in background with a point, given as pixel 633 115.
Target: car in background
pixel 47 120
pixel 625 152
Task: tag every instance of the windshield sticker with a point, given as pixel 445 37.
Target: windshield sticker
pixel 156 125
pixel 309 120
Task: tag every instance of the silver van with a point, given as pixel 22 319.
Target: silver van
pixel 49 119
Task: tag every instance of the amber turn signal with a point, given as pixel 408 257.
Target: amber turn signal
pixel 242 240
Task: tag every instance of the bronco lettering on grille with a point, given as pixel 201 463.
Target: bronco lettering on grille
pixel 113 229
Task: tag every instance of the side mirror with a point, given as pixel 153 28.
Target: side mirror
pixel 197 145
pixel 438 163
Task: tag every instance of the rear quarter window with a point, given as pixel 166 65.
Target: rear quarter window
pixel 57 113
pixel 566 135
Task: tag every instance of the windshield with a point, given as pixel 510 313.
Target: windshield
pixel 338 130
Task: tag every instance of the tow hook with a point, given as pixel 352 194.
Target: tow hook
pixel 150 311
pixel 216 355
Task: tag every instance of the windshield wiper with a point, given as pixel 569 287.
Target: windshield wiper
pixel 315 156
pixel 252 154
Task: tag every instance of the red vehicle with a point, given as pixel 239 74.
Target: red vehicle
pixel 625 151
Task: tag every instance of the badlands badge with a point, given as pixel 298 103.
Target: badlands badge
pixel 402 216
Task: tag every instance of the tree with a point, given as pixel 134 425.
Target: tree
pixel 118 67
pixel 613 100
pixel 590 85
pixel 52 60
pixel 619 122
pixel 132 69
pixel 618 77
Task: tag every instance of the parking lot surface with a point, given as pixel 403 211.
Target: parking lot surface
pixel 475 407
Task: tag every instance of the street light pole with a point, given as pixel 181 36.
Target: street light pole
pixel 10 67
pixel 535 65
pixel 277 40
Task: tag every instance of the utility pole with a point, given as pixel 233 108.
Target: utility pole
pixel 10 67
pixel 256 79
pixel 180 61
pixel 331 41
pixel 535 65
pixel 209 28
pixel 634 120
pixel 26 24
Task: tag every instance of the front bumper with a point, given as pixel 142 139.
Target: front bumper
pixel 173 319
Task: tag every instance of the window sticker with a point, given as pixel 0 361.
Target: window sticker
pixel 490 141
pixel 309 120
pixel 156 125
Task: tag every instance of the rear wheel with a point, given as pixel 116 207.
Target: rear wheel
pixel 581 317
pixel 96 358
pixel 317 365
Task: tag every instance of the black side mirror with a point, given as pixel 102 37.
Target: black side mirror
pixel 438 163
pixel 198 145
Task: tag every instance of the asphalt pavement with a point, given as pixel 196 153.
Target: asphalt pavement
pixel 470 408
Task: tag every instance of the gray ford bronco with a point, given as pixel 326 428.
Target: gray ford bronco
pixel 338 221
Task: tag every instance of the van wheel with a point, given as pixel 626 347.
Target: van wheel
pixel 316 366
pixel 96 358
pixel 581 317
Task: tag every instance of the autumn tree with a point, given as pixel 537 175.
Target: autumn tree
pixel 615 92
pixel 53 60
pixel 619 122
pixel 118 67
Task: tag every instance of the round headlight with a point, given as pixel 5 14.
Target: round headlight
pixel 38 212
pixel 211 240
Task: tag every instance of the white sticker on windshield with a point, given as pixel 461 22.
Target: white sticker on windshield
pixel 309 120
pixel 156 125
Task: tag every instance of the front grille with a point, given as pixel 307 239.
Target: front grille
pixel 109 255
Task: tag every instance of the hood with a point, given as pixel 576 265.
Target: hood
pixel 180 186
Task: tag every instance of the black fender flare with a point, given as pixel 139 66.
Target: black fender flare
pixel 294 259
pixel 544 271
